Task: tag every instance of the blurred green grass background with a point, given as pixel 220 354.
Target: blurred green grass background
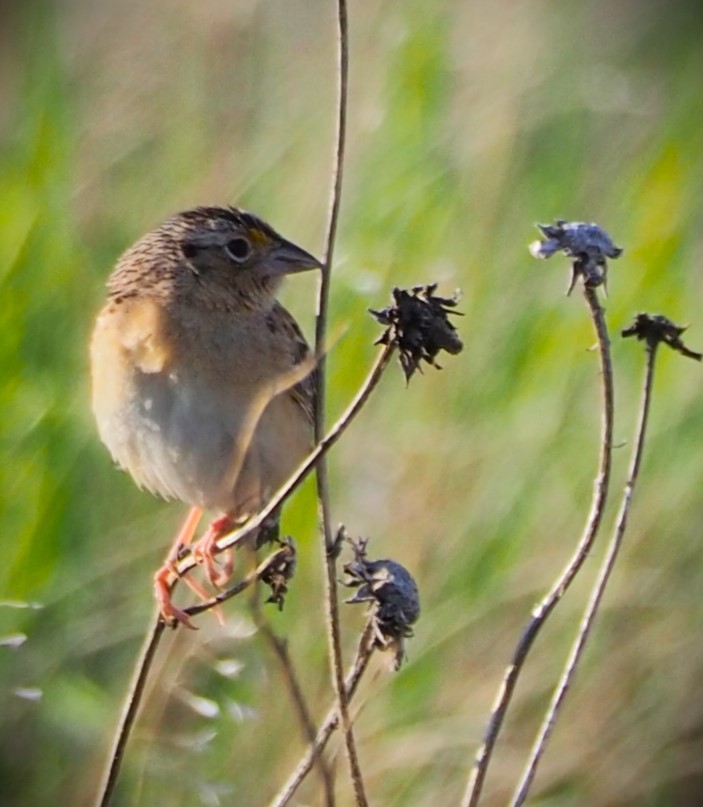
pixel 468 122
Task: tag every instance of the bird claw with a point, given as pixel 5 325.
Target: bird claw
pixel 171 615
pixel 203 553
pixel 205 549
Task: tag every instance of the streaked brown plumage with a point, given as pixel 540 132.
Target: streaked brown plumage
pixel 201 383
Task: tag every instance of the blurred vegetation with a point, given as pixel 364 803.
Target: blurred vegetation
pixel 468 123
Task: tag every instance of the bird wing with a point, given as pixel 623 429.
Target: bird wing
pixel 302 392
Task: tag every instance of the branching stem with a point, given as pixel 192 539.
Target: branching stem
pixel 300 475
pixel 153 637
pixel 597 591
pixel 331 721
pixel 542 611
pixel 279 646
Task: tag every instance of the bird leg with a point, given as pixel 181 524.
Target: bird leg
pixel 204 552
pixel 162 578
pixel 205 548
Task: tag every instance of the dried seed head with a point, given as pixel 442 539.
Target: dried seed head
pixel 419 326
pixel 393 596
pixel 656 328
pixel 280 572
pixel 588 244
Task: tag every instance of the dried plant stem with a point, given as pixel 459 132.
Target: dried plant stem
pixel 257 574
pixel 597 591
pixel 309 464
pixel 129 712
pixel 142 668
pixel 315 460
pixel 331 721
pixel 146 657
pixel 328 548
pixel 542 611
pixel 279 646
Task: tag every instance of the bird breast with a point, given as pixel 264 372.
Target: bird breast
pixel 191 410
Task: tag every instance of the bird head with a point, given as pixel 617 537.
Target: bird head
pixel 219 254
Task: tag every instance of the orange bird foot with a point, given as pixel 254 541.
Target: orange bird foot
pixel 205 550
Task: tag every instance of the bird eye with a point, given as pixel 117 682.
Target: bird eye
pixel 239 249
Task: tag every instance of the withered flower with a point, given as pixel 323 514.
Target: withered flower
pixel 656 328
pixel 393 596
pixel 281 570
pixel 419 326
pixel 588 244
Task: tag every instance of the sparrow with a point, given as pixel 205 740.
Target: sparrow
pixel 202 382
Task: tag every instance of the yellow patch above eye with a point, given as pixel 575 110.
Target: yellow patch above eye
pixel 258 237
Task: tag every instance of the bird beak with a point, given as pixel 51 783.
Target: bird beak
pixel 286 259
